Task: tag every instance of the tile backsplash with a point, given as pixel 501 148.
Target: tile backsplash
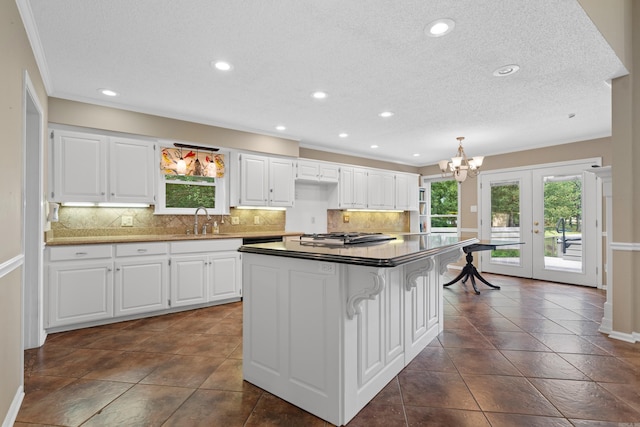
pixel 100 221
pixel 367 221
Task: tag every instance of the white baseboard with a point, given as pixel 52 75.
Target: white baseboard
pixel 622 336
pixel 11 416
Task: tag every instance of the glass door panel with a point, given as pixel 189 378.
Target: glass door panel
pixel 505 218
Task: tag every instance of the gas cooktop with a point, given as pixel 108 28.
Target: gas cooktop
pixel 344 239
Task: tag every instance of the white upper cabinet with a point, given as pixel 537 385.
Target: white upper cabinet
pixel 406 196
pixel 352 189
pixel 264 181
pixel 381 189
pixel 131 171
pixel 96 168
pixel 79 170
pixel 314 171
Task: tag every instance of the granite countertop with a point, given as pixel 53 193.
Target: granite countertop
pixel 89 240
pixel 404 249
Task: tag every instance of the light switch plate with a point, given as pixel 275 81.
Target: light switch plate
pixel 256 220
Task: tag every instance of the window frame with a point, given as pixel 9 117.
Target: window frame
pixel 221 185
pixel 426 184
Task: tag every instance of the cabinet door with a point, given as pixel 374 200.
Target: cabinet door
pixel 308 171
pixel 346 188
pixel 281 182
pixel 359 188
pixel 141 285
pixel 406 197
pixel 226 281
pixel 131 171
pixel 254 188
pixel 79 170
pixel 381 190
pixel 79 292
pixel 328 172
pixel 422 308
pixel 189 278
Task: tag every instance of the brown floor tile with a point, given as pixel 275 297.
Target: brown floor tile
pixel 273 411
pixel 604 368
pixel 435 389
pixel 556 314
pixel 543 365
pixel 628 393
pixel 496 324
pixel 510 420
pixel 389 395
pixel 38 387
pixel 481 362
pixel 581 327
pixel 37 359
pixel 128 367
pixel 616 347
pixel 378 415
pixel 509 394
pixel 79 338
pixel 210 345
pixel 183 371
pixel 442 417
pixel 514 341
pixel 212 408
pixel 228 376
pixel 190 325
pixel 78 363
pixel 73 404
pixel 585 400
pixel 170 343
pixel 432 359
pixel 542 326
pixel 463 338
pixel 121 340
pixel 227 326
pixel 457 322
pixel 142 405
pixel 561 343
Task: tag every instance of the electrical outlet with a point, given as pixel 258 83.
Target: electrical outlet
pixel 345 218
pixel 235 220
pixel 256 220
pixel 127 221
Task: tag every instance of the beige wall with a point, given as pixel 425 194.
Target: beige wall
pixel 73 113
pixel 16 57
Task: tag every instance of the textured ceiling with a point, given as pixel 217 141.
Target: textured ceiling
pixel 368 55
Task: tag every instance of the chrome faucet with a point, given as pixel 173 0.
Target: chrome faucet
pixel 195 222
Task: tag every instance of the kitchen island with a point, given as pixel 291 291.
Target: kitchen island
pixel 326 328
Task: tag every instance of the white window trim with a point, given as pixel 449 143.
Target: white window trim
pixel 426 184
pixel 221 184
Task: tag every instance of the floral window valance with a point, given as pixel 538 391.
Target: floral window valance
pixel 195 163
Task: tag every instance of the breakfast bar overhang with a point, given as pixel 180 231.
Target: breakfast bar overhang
pixel 326 328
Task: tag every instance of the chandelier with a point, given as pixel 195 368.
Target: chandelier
pixel 460 167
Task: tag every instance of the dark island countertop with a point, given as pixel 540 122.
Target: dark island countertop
pixel 403 249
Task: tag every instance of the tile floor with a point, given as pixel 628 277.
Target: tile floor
pixel 527 355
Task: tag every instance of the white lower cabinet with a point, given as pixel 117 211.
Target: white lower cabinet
pixel 205 271
pixel 91 284
pixel 80 291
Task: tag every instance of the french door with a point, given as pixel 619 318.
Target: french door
pixel 552 213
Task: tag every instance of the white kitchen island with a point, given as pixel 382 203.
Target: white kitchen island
pixel 326 328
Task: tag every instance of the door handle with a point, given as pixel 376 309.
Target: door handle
pixel 535 223
pixel 535 231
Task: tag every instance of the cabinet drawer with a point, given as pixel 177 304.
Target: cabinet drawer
pixel 135 249
pixel 65 253
pixel 212 245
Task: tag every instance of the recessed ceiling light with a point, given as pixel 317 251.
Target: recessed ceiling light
pixel 108 92
pixel 319 95
pixel 280 127
pixel 507 70
pixel 416 154
pixel 440 27
pixel 343 135
pixel 374 146
pixel 386 114
pixel 221 65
